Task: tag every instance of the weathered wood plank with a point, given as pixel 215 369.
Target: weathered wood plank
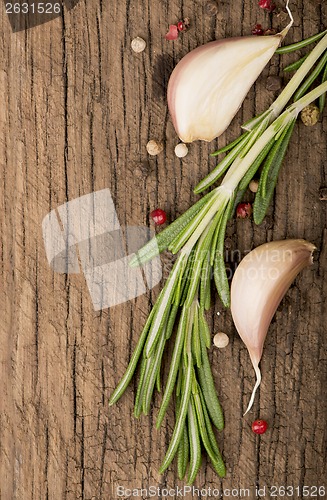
pixel 77 108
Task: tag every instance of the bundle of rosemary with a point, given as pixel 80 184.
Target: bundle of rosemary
pixel 198 235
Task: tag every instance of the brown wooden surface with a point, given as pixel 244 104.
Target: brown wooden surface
pixel 77 108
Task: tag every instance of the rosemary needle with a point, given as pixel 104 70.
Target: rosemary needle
pixel 300 45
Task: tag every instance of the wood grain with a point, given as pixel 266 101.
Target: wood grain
pixel 77 108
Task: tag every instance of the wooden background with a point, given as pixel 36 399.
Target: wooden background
pixel 77 108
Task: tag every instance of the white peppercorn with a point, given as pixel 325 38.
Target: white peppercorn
pixel 138 44
pixel 181 150
pixel 253 186
pixel 221 340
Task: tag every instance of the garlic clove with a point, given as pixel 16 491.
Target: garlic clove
pixel 259 284
pixel 208 86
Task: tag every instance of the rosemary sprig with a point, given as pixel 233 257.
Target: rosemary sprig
pixel 205 240
pixel 198 236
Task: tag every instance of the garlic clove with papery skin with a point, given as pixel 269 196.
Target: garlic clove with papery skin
pixel 208 86
pixel 258 286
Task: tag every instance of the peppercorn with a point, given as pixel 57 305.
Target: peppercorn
pixel 310 115
pixel 138 44
pixel 259 426
pixel 154 147
pixel 244 210
pixel 158 216
pixel 181 150
pixel 183 25
pixel 221 340
pixel 253 186
pixel 267 5
pixel 257 30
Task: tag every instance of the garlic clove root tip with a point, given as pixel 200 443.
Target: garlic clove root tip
pixel 258 382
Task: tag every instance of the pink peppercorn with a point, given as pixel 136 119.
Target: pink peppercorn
pixel 172 33
pixel 244 210
pixel 158 216
pixel 257 30
pixel 267 5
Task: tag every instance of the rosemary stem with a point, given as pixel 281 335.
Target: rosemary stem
pixel 239 169
pixel 284 97
pixel 301 73
pixel 309 97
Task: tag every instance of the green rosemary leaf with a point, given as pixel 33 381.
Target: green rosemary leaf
pixel 201 253
pixel 229 146
pixel 125 380
pixel 216 459
pixel 295 65
pixel 183 454
pixel 181 417
pixel 196 341
pixel 195 443
pixel 188 276
pixel 158 380
pixel 219 270
pixel 276 156
pixel 311 78
pixel 140 388
pixel 174 366
pixel 255 165
pixel 322 98
pixel 179 380
pixel 163 305
pixel 209 391
pixel 214 243
pixel 151 374
pixel 217 172
pixel 204 328
pixel 182 237
pixel 211 434
pixel 299 45
pixel 205 285
pixel 171 320
pixel 262 200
